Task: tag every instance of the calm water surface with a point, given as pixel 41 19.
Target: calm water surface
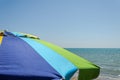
pixel 107 58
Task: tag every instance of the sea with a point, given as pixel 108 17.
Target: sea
pixel 108 59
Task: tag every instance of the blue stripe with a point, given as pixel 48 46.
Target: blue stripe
pixel 62 65
pixel 19 61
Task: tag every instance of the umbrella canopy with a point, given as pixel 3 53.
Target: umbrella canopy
pixel 26 57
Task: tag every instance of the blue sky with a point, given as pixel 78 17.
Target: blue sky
pixel 67 23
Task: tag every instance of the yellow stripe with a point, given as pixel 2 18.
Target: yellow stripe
pixel 1 37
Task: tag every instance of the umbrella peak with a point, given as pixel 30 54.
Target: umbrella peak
pixel 2 33
pixel 18 34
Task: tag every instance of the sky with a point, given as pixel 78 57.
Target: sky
pixel 66 23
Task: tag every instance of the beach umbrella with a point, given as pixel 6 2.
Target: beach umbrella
pixel 26 57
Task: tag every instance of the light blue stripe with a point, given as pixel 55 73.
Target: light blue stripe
pixel 59 63
pixel 17 34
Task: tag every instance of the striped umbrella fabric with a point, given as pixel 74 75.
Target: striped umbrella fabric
pixel 26 57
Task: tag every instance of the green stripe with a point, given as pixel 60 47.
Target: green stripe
pixel 87 69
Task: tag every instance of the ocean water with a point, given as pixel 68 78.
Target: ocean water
pixel 107 58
